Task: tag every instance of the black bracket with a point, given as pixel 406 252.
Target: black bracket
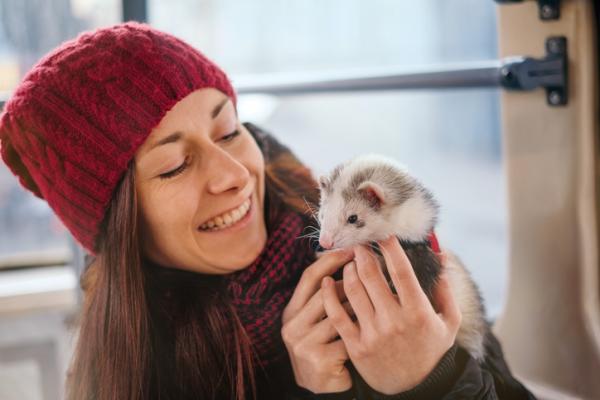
pixel 134 10
pixel 548 9
pixel 549 72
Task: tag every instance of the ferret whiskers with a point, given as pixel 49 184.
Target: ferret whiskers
pixel 313 236
pixel 311 210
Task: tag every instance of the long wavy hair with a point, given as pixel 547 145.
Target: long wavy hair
pixel 144 334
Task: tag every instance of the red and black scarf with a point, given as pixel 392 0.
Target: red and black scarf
pixel 260 292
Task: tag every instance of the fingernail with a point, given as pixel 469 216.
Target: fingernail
pixel 326 282
pixel 350 267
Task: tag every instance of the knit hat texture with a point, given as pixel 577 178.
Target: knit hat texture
pixel 78 117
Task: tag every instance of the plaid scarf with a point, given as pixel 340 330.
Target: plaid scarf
pixel 260 292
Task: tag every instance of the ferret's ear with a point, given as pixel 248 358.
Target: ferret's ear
pixel 372 193
pixel 323 183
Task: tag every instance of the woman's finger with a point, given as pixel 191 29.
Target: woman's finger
pixel 303 322
pixel 311 279
pixel 322 332
pixel 374 282
pixel 348 307
pixel 445 302
pixel 357 295
pixel 336 313
pixel 336 349
pixel 402 274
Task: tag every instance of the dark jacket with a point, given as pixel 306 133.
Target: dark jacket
pixel 456 376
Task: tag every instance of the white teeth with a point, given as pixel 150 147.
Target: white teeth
pixel 227 218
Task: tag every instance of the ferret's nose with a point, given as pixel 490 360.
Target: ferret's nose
pixel 326 242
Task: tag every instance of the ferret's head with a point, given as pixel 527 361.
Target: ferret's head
pixel 370 198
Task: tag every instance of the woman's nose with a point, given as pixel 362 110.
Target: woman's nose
pixel 226 173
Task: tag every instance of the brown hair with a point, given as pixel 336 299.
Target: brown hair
pixel 143 332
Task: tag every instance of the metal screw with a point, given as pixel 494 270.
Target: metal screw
pixel 555 98
pixel 548 12
pixel 555 46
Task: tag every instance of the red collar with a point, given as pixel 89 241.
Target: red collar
pixel 433 242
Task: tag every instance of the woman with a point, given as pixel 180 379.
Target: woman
pixel 200 287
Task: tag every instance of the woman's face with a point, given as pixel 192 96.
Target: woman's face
pixel 201 188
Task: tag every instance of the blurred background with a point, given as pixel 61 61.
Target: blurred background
pixel 450 139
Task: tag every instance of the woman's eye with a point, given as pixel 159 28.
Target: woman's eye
pixel 352 219
pixel 231 136
pixel 175 171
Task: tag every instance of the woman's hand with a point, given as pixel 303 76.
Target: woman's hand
pixel 397 340
pixel 317 359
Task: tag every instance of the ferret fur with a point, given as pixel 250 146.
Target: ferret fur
pixel 387 200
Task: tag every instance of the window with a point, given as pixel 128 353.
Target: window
pixel 449 139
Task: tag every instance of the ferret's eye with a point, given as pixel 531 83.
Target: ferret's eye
pixel 352 219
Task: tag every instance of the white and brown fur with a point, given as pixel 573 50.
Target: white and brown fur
pixel 387 200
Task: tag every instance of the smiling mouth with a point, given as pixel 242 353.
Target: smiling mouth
pixel 227 219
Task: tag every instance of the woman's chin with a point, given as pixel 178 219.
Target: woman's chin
pixel 242 260
pixel 237 257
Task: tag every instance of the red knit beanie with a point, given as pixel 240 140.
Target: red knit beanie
pixel 78 117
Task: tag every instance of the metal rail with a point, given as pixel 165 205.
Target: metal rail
pixel 481 74
pixel 514 73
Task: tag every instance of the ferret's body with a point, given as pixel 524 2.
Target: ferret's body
pixel 372 197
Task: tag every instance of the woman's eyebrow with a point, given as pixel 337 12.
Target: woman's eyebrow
pixel 218 108
pixel 169 139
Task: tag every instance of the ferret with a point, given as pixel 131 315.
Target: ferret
pixel 371 197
